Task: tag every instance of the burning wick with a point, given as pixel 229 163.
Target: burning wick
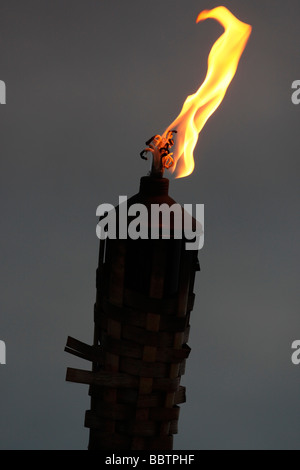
pixel 223 62
pixel 159 146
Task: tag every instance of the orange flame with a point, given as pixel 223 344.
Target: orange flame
pixel 222 65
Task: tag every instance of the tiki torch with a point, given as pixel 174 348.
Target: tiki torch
pixel 145 285
pixel 142 311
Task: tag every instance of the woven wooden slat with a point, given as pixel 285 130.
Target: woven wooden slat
pixel 164 414
pixel 144 303
pixel 135 350
pixel 160 443
pixel 122 347
pixel 166 384
pixel 182 367
pixel 114 411
pixel 95 422
pixel 135 318
pixel 141 428
pixel 80 349
pixel 126 396
pixel 149 338
pixel 108 441
pixel 173 427
pixel 145 386
pixel 102 378
pixel 191 299
pixel 118 380
pixel 138 428
pixel 180 396
pixel 148 401
pixel 143 368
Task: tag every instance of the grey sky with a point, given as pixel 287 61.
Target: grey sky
pixel 88 82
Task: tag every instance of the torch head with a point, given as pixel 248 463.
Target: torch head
pixel 160 146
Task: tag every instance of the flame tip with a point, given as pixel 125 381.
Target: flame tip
pixel 222 65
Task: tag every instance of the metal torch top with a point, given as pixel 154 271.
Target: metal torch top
pixel 160 146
